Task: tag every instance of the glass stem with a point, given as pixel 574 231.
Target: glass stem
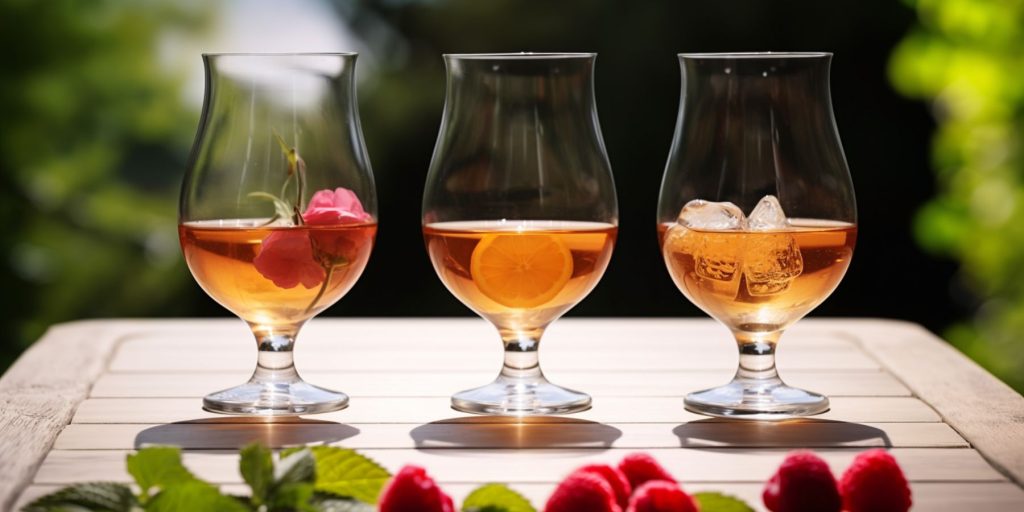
pixel 757 368
pixel 522 361
pixel 275 364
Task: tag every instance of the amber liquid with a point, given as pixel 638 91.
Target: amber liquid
pixel 222 256
pixel 569 257
pixel 759 281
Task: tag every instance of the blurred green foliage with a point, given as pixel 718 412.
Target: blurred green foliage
pixel 967 56
pixel 94 131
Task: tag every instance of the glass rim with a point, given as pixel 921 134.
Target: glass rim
pixel 280 54
pixel 753 55
pixel 520 55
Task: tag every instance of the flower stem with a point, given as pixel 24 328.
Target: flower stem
pixel 323 288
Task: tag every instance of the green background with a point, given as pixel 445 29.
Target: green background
pixel 96 124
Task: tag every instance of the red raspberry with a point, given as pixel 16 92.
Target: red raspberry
pixel 875 483
pixel 802 483
pixel 412 490
pixel 661 496
pixel 620 486
pixel 640 468
pixel 583 492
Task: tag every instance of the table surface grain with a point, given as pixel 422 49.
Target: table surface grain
pixel 90 392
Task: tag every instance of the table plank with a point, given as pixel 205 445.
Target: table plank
pixel 139 357
pixel 415 333
pixel 549 465
pixel 358 383
pixel 431 409
pixel 480 434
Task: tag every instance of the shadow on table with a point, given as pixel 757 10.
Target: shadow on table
pixel 504 432
pixel 229 433
pixel 802 433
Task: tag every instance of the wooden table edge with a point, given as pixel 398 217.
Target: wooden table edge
pixel 987 412
pixel 39 395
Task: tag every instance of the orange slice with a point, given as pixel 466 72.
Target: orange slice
pixel 521 270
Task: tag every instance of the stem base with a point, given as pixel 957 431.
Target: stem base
pixel 756 400
pixel 533 396
pixel 275 399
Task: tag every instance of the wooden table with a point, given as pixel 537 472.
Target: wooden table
pixel 89 392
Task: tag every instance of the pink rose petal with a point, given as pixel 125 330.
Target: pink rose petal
pixel 286 258
pixel 340 206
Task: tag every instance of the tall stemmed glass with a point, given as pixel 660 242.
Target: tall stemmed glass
pixel 519 213
pixel 278 209
pixel 757 219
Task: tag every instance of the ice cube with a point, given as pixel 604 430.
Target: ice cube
pixel 771 261
pixel 716 260
pixel 767 215
pixel 711 216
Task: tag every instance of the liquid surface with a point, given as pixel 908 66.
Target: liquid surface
pixel 759 281
pixel 275 275
pixel 520 275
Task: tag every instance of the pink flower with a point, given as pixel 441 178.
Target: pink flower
pixel 290 257
pixel 328 208
pixel 286 258
pixel 341 206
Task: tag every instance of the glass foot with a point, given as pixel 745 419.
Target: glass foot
pixel 513 397
pixel 275 399
pixel 756 402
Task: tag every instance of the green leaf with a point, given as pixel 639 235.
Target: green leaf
pixel 328 503
pixel 194 496
pixel 718 502
pixel 257 468
pixel 98 496
pixel 282 209
pixel 295 467
pixel 496 498
pixel 344 472
pixel 294 496
pixel 158 466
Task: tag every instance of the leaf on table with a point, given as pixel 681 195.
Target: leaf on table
pixel 292 496
pixel 195 496
pixel 334 504
pixel 718 502
pixel 345 472
pixel 158 466
pixel 257 468
pixel 496 498
pixel 295 466
pixel 105 496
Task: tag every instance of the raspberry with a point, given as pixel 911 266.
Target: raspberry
pixel 802 483
pixel 875 483
pixel 583 492
pixel 620 486
pixel 661 496
pixel 640 468
pixel 412 490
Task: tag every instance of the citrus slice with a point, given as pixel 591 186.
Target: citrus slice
pixel 521 270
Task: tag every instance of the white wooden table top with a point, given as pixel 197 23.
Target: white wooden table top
pixel 89 392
